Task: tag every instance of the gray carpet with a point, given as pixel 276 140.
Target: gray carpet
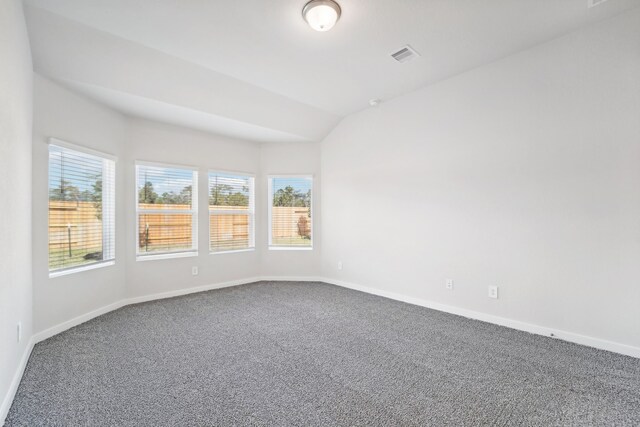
pixel 312 354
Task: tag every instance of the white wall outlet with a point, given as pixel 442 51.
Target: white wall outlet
pixel 19 331
pixel 450 284
pixel 493 292
pixel 339 265
pixel 194 271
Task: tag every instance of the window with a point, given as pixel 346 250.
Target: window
pixel 167 211
pixel 81 208
pixel 290 212
pixel 231 212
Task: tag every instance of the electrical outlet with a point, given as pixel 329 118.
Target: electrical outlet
pixel 493 292
pixel 19 331
pixel 450 284
pixel 194 271
pixel 339 265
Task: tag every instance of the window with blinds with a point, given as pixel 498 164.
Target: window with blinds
pixel 167 210
pixel 231 212
pixel 81 208
pixel 290 212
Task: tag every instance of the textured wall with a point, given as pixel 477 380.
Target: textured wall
pixel 522 173
pixel 62 114
pixel 16 81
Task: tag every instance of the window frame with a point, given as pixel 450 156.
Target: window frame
pixel 251 213
pixel 270 179
pixel 111 193
pixel 193 252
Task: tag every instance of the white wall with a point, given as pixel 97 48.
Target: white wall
pixel 523 173
pixel 16 81
pixel 289 159
pixel 155 142
pixel 64 115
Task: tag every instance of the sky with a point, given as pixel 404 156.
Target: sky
pixel 77 169
pixel 80 170
pixel 165 180
pixel 301 184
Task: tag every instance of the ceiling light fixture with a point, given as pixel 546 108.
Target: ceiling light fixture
pixel 321 15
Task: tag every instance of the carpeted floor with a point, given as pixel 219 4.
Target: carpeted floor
pixel 312 354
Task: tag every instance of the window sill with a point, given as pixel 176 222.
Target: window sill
pixel 166 256
pixel 235 251
pixel 290 248
pixel 80 269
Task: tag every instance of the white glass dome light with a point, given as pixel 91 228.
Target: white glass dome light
pixel 321 15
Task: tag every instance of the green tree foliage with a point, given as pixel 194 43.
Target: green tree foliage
pixel 146 194
pixel 288 196
pixel 65 192
pixel 171 198
pixel 224 195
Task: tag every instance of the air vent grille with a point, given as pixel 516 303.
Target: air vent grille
pixel 405 54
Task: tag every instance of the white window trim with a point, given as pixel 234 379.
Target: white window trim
pixel 78 269
pixel 68 145
pixel 111 250
pixel 166 255
pixel 273 247
pixel 193 212
pixel 251 213
pixel 234 251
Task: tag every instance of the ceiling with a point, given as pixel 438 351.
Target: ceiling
pixel 255 63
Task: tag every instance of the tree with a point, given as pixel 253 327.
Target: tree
pixel 284 196
pixel 65 192
pixel 237 199
pixel 223 195
pixel 288 196
pixel 171 198
pixel 218 196
pixel 146 194
pixel 186 195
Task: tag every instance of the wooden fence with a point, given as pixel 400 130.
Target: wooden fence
pixel 159 231
pixel 287 222
pixel 81 217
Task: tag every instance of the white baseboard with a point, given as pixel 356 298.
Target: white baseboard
pixel 290 279
pixel 61 327
pixel 509 323
pixel 15 381
pixel 497 320
pixel 54 330
pixel 187 291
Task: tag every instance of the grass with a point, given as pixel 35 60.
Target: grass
pixel 59 258
pixel 290 241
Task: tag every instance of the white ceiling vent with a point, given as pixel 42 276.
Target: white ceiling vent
pixel 594 3
pixel 407 53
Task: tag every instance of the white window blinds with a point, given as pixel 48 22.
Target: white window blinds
pixel 81 208
pixel 231 212
pixel 290 212
pixel 167 209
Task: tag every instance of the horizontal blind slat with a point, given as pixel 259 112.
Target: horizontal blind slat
pixel 81 208
pixel 290 206
pixel 167 209
pixel 231 206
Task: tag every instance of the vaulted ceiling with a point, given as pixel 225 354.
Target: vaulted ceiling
pixel 254 69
